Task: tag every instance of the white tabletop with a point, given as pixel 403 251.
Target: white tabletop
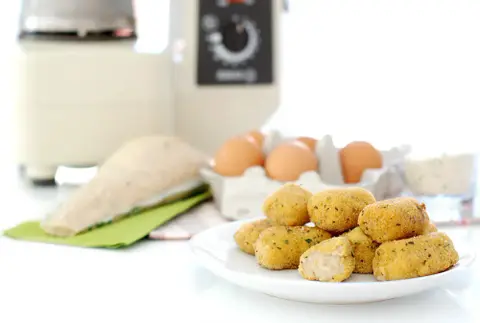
pixel 160 281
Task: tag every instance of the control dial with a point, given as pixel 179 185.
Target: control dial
pixel 235 42
pixel 234 37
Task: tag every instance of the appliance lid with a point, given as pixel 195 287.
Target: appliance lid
pixel 78 16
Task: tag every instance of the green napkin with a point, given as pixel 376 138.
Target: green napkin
pixel 119 234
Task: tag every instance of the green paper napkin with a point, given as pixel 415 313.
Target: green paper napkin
pixel 119 234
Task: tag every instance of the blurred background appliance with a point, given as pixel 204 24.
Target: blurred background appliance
pixel 89 76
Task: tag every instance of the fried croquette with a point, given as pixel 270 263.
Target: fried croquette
pixel 336 210
pixel 288 205
pixel 363 250
pixel 414 257
pixel 329 261
pixel 393 219
pixel 429 228
pixel 248 233
pixel 281 247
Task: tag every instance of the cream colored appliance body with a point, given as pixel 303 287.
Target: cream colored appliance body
pixel 78 101
pixel 207 114
pixel 77 104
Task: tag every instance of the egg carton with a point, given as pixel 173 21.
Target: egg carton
pixel 239 198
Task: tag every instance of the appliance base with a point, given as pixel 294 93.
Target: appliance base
pixel 40 174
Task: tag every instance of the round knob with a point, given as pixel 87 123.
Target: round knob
pixel 235 36
pixel 235 42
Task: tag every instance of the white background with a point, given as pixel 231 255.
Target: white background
pixel 385 71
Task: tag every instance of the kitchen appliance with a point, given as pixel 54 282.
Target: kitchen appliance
pixel 94 74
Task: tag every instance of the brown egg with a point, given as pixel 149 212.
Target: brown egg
pixel 356 157
pixel 236 155
pixel 257 136
pixel 310 142
pixel 289 160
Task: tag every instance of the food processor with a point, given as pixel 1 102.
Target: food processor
pixel 92 75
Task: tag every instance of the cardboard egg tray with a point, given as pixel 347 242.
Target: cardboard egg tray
pixel 241 197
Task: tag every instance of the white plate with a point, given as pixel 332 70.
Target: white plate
pixel 217 251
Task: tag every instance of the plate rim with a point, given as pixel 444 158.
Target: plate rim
pixel 467 258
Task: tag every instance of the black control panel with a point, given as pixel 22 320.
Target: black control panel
pixel 235 42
